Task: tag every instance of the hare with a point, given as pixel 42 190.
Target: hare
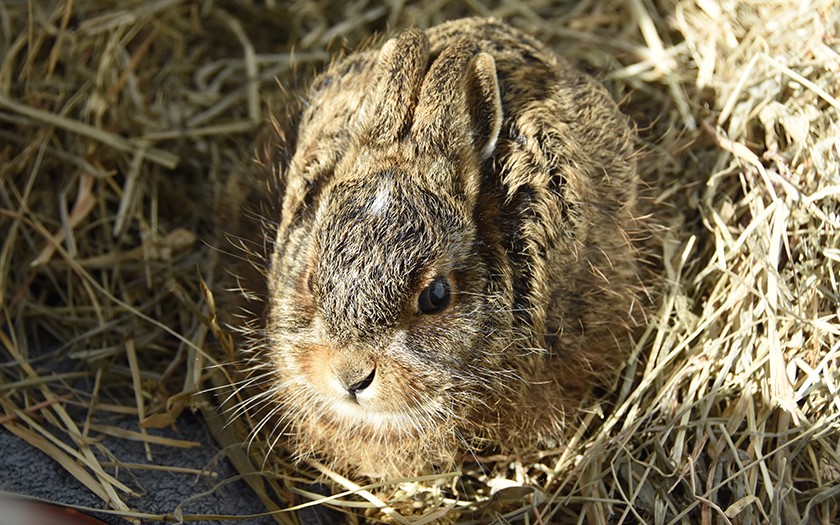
pixel 453 265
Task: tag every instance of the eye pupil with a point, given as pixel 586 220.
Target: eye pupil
pixel 435 297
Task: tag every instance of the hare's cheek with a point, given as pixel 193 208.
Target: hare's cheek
pixel 402 389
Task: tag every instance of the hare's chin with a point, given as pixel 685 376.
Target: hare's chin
pixel 364 414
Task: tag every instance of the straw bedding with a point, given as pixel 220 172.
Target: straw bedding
pixel 120 124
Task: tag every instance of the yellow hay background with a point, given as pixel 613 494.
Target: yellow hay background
pixel 121 122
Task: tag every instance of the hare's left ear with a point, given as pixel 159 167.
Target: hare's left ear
pixel 459 100
pixel 389 107
pixel 483 103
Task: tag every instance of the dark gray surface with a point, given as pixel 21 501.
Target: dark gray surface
pixel 26 470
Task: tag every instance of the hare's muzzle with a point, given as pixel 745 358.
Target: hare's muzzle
pixel 365 386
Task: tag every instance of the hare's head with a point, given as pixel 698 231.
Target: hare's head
pixel 385 294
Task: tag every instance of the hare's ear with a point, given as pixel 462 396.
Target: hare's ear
pixel 483 103
pixel 398 73
pixel 460 101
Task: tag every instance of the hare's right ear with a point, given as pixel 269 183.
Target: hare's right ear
pixel 399 71
pixel 460 100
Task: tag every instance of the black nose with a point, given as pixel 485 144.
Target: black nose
pixel 354 379
pixel 358 386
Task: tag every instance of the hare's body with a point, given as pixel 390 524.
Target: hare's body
pixel 452 266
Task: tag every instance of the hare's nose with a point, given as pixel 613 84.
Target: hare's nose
pixel 354 376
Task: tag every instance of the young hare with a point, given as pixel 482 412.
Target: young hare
pixel 453 264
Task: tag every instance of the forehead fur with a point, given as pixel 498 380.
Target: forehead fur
pixel 373 241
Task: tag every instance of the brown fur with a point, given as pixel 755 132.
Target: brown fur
pixel 472 152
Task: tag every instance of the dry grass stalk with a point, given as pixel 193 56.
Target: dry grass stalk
pixel 119 123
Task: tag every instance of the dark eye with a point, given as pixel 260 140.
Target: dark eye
pixel 435 297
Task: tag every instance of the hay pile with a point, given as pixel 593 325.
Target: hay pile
pixel 119 123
